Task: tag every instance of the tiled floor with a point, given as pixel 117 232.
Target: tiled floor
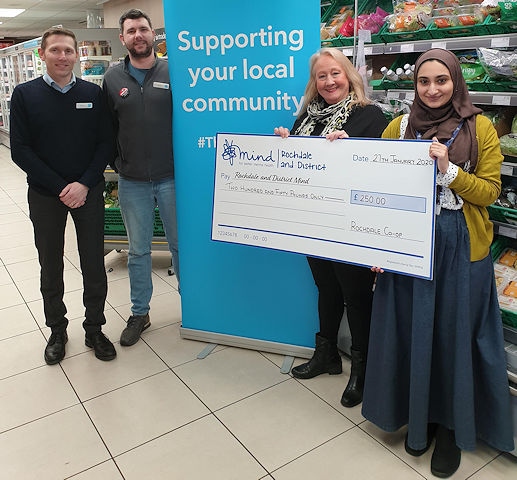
pixel 157 412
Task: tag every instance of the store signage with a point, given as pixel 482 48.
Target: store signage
pixel 237 67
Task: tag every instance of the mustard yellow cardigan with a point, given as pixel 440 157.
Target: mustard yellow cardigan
pixel 478 189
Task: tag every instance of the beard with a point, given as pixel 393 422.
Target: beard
pixel 141 54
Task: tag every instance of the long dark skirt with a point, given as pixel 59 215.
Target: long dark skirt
pixel 436 348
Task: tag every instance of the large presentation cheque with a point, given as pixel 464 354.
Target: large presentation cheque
pixel 362 201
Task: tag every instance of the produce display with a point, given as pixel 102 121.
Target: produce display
pixel 499 64
pixel 111 195
pixel 366 21
pixel 331 28
pixel 415 15
pixel 410 16
pixel 505 269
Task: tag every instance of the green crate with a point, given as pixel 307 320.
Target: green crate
pixel 479 85
pixel 377 84
pixel 333 42
pixel 114 225
pixel 502 214
pixel 325 6
pixel 366 7
pixel 498 245
pixel 328 15
pixel 412 36
pixel 509 318
pixel 492 85
pixel 460 30
pixel 498 27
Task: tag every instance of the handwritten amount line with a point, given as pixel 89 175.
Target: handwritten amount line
pixel 319 212
pixel 276 195
pixel 294 184
pixel 230 214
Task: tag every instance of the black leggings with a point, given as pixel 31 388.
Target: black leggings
pixel 339 284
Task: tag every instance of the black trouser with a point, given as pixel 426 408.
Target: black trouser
pixel 339 284
pixel 49 216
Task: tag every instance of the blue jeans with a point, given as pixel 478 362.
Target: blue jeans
pixel 138 199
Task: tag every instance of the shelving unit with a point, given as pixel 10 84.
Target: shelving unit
pixel 120 242
pixel 20 63
pixel 461 43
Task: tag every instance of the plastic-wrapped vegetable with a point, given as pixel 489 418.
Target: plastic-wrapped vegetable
pixel 498 64
pixel 509 144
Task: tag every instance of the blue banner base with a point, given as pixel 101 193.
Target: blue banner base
pixel 244 342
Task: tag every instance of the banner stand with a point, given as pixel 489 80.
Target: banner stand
pixel 245 342
pixel 240 67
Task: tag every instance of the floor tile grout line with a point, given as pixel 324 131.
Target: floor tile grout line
pixel 389 450
pixel 242 444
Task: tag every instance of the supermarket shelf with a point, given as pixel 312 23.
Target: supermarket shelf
pixel 512 377
pixel 506 99
pixel 509 168
pixel 104 58
pixel 505 229
pixel 110 175
pixel 459 43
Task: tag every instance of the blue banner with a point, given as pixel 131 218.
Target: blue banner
pixel 237 67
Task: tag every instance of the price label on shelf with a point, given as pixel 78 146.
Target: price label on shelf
pixel 442 45
pixel 507 232
pixel 407 48
pixel 500 42
pixel 506 169
pixel 501 100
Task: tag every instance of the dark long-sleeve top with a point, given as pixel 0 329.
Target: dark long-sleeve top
pixel 367 121
pixel 59 138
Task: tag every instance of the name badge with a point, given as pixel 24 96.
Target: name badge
pixel 165 86
pixel 83 105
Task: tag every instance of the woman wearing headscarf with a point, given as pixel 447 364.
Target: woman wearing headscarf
pixel 335 106
pixel 436 361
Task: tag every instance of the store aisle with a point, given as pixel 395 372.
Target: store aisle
pixel 157 412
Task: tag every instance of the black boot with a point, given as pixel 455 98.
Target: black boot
pixel 326 359
pixel 353 394
pixel 446 456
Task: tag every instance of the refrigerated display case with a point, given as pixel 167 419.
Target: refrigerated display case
pixel 18 63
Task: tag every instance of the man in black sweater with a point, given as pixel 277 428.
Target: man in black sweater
pixel 62 138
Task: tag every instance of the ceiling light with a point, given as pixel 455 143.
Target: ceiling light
pixel 11 12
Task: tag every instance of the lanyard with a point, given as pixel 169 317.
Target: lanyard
pixel 454 134
pixel 447 144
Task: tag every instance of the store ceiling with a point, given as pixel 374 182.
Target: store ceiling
pixel 42 14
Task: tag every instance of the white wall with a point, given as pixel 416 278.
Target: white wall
pixel 113 9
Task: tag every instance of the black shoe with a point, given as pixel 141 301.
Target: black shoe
pixel 326 359
pixel 55 349
pixel 104 349
pixel 431 431
pixel 136 324
pixel 447 455
pixel 353 394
